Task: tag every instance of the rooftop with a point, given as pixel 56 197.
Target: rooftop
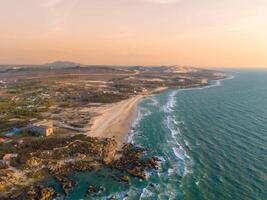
pixel 44 123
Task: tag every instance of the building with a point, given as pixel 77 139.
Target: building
pixel 44 128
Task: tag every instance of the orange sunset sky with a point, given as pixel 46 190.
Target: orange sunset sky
pixel 217 33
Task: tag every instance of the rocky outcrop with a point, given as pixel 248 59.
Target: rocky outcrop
pixel 33 162
pixel 132 161
pixel 66 183
pixel 109 151
pixel 10 178
pixel 93 190
pixel 57 156
pixel 46 193
pixel 32 193
pixel 62 156
pixel 125 179
pixel 137 172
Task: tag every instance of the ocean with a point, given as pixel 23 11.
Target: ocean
pixel 212 142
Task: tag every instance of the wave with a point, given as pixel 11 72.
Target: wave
pixel 168 107
pixel 183 160
pixel 215 83
pixel 179 153
pixel 183 167
pixel 187 144
pixel 172 125
pixel 177 142
pixel 175 160
pixel 170 171
pixel 161 162
pixel 116 195
pixel 146 193
pixel 141 114
pixel 153 101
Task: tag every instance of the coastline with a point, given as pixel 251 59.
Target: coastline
pixel 115 120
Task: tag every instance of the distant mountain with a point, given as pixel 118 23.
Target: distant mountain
pixel 62 64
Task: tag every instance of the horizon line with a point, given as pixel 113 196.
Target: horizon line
pixel 142 65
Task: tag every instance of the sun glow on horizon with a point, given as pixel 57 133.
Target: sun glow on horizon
pixel 135 32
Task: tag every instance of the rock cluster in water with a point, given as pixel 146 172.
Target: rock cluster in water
pixel 132 162
pixel 79 153
pixel 33 193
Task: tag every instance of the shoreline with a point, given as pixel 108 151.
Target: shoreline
pixel 115 120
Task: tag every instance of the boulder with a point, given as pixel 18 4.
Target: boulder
pixel 125 179
pixel 47 193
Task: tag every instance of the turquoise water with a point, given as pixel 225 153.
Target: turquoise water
pixel 212 142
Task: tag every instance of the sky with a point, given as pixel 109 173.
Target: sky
pixel 208 33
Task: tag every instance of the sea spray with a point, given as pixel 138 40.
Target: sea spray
pixel 141 113
pixel 161 111
pixel 176 143
pixel 168 107
pixel 165 126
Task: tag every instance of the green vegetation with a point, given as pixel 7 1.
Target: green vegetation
pixel 39 92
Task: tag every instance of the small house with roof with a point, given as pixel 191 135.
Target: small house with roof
pixel 44 127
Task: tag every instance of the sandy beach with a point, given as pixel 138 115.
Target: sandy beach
pixel 114 120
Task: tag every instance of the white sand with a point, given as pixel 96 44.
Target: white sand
pixel 114 120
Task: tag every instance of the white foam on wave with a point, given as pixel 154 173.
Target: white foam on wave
pixel 168 107
pixel 170 171
pixel 182 156
pixel 171 103
pixel 172 125
pixel 146 193
pixel 116 195
pixel 183 160
pixel 187 144
pixel 141 113
pixel 161 162
pixel 162 159
pixel 153 101
pixel 178 122
pixel 179 153
pixel 175 155
pixel 216 83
